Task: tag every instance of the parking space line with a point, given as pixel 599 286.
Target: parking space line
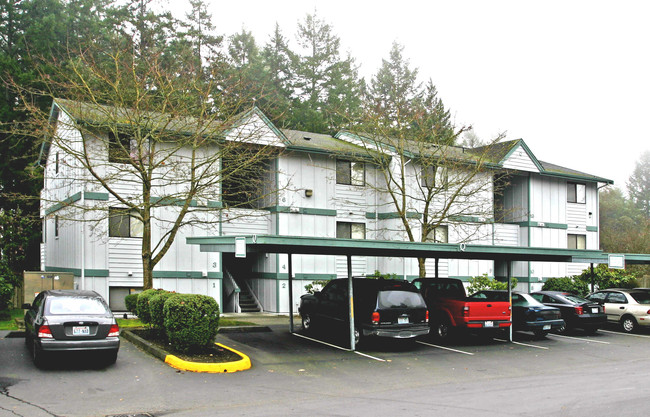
pixel 626 334
pixel 338 347
pixel 522 344
pixel 368 356
pixel 320 341
pixel 445 348
pixel 579 338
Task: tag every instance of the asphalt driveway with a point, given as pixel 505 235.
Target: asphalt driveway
pixel 292 375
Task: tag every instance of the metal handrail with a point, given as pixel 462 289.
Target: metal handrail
pixel 235 292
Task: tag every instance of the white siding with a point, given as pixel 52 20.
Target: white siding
pixel 520 160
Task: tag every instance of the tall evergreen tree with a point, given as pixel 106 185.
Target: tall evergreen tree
pixel 639 184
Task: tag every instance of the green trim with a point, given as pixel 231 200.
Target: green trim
pixel 179 274
pixel 215 204
pixel 315 277
pixel 302 210
pixel 396 215
pixel 544 225
pixel 592 228
pixel 215 275
pixel 167 201
pixel 371 215
pixel 88 273
pixel 58 206
pixel 470 219
pixel 90 195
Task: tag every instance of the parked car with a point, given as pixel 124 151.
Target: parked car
pixel 450 309
pixel 577 312
pixel 528 314
pixel 70 320
pixel 630 309
pixel 382 308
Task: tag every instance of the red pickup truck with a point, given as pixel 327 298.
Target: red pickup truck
pixel 450 309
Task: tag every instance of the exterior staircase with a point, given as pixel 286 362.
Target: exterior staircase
pixel 246 302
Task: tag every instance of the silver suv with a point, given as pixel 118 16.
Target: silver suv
pixel 629 308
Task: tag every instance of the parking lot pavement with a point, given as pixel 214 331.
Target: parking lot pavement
pixel 296 376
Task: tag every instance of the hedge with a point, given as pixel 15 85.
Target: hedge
pixel 143 304
pixel 191 321
pixel 156 308
pixel 131 302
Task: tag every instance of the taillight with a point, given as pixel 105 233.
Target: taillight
pixel 375 317
pixel 466 311
pixel 114 331
pixel 44 332
pixel 578 310
pixel 426 317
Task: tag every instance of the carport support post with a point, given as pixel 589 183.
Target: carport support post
pixel 290 266
pixel 510 298
pixel 592 276
pixel 351 303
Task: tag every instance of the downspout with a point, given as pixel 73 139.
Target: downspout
pixel 530 185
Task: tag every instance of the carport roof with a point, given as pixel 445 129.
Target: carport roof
pixel 358 247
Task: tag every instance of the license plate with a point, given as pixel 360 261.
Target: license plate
pixel 488 324
pixel 594 310
pixel 402 320
pixel 81 331
pixel 547 327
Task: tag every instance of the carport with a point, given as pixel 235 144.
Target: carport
pixel 290 245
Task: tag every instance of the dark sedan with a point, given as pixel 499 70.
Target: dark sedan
pixel 528 314
pixel 70 320
pixel 382 308
pixel 577 312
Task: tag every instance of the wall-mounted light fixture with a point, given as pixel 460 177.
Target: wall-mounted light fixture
pixel 309 193
pixel 130 273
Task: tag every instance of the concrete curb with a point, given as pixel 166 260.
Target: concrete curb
pixel 178 363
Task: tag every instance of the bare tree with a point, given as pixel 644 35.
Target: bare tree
pixel 162 140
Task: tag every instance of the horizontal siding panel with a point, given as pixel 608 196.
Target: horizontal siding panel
pixel 124 256
pixel 246 222
pixel 359 264
pixel 576 215
pixel 506 234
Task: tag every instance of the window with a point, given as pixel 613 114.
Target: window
pixel 439 234
pixel 124 223
pixel 434 177
pixel 576 193
pixel 345 230
pixel 350 173
pixel 56 226
pixel 121 147
pixel 56 164
pixel 616 298
pixel 576 241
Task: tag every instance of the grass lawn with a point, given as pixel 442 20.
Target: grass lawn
pixel 223 322
pixel 11 323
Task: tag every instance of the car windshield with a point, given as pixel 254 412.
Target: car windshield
pixel 400 299
pixel 75 305
pixel 489 296
pixel 575 299
pixel 641 297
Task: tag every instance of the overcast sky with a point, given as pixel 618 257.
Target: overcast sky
pixel 571 78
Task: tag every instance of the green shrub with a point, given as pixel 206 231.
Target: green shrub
pixel 567 284
pixel 483 282
pixel 379 275
pixel 131 302
pixel 156 305
pixel 608 278
pixel 6 292
pixel 191 321
pixel 142 309
pixel 314 286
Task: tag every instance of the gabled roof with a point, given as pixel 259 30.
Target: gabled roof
pixel 100 115
pixel 299 140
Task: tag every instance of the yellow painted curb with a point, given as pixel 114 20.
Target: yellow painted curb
pixel 223 367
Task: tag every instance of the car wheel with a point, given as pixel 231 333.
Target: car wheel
pixel 307 324
pixel 628 324
pixel 441 328
pixel 540 334
pixel 358 337
pixel 38 356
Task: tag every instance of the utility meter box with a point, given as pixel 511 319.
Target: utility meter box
pixel 37 281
